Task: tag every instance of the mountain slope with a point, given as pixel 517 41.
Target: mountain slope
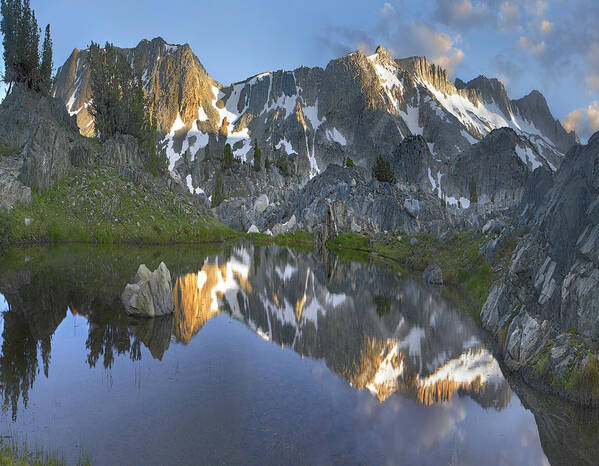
pixel 358 106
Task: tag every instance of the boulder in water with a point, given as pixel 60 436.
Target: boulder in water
pixel 433 275
pixel 152 293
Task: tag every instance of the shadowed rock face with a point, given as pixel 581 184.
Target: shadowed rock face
pixel 358 106
pixel 548 295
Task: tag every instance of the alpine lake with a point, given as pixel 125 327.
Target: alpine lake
pixel 273 355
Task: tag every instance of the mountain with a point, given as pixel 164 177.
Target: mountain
pixel 358 106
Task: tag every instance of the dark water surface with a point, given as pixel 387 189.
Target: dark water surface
pixel 272 356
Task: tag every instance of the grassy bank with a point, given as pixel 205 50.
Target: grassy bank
pixel 298 240
pixel 99 206
pixel 20 454
pixel 457 256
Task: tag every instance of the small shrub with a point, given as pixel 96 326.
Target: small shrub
pixel 383 305
pixel 228 156
pixel 586 380
pixel 218 195
pixel 282 163
pixel 6 151
pixel 382 171
pixel 349 163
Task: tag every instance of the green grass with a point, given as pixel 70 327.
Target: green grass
pixel 584 381
pixel 298 239
pixel 350 241
pixel 12 453
pixel 98 206
pixel 458 257
pixel 6 151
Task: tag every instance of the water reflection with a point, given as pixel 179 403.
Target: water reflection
pixel 379 332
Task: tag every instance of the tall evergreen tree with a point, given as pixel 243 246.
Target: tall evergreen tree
pixel 228 157
pixel 46 65
pixel 382 171
pixel 21 38
pixel 8 27
pixel 473 192
pixel 119 104
pixel 257 156
pixel 218 195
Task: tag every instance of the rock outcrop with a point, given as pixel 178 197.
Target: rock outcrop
pixel 545 307
pixel 433 275
pixel 151 293
pixel 46 142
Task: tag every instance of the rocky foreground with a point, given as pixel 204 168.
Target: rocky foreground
pixel 545 309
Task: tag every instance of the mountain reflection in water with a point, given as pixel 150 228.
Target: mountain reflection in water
pixel 377 331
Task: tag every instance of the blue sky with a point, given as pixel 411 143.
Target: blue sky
pixel 549 45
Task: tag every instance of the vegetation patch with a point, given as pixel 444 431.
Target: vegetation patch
pixel 298 239
pixel 7 151
pixel 13 453
pixel 457 256
pixel 351 241
pixel 99 206
pixel 585 381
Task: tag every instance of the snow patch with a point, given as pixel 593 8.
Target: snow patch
pixel 335 136
pixel 468 136
pixel 410 116
pixel 528 157
pixel 286 145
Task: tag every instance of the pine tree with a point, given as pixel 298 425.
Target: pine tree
pixel 21 44
pixel 257 156
pixel 382 171
pixel 119 104
pixel 8 26
pixel 218 195
pixel 266 164
pixel 349 162
pixel 46 65
pixel 228 157
pixel 473 193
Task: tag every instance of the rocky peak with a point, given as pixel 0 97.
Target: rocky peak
pixel 173 77
pixel 489 91
pixel 383 53
pixel 433 74
pixel 533 107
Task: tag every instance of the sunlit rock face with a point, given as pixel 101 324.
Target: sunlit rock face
pixel 358 106
pixel 392 336
pixel 196 295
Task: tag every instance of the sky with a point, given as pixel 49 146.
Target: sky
pixel 548 45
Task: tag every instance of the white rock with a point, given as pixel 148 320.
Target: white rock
pixel 253 229
pixel 412 206
pixel 27 221
pixel 355 228
pixel 261 203
pixel 151 295
pixel 284 228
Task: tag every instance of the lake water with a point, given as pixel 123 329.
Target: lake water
pixel 273 356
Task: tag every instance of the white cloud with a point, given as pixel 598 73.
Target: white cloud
pixel 531 46
pixel 546 26
pixel 438 46
pixel 508 17
pixel 585 121
pixel 536 7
